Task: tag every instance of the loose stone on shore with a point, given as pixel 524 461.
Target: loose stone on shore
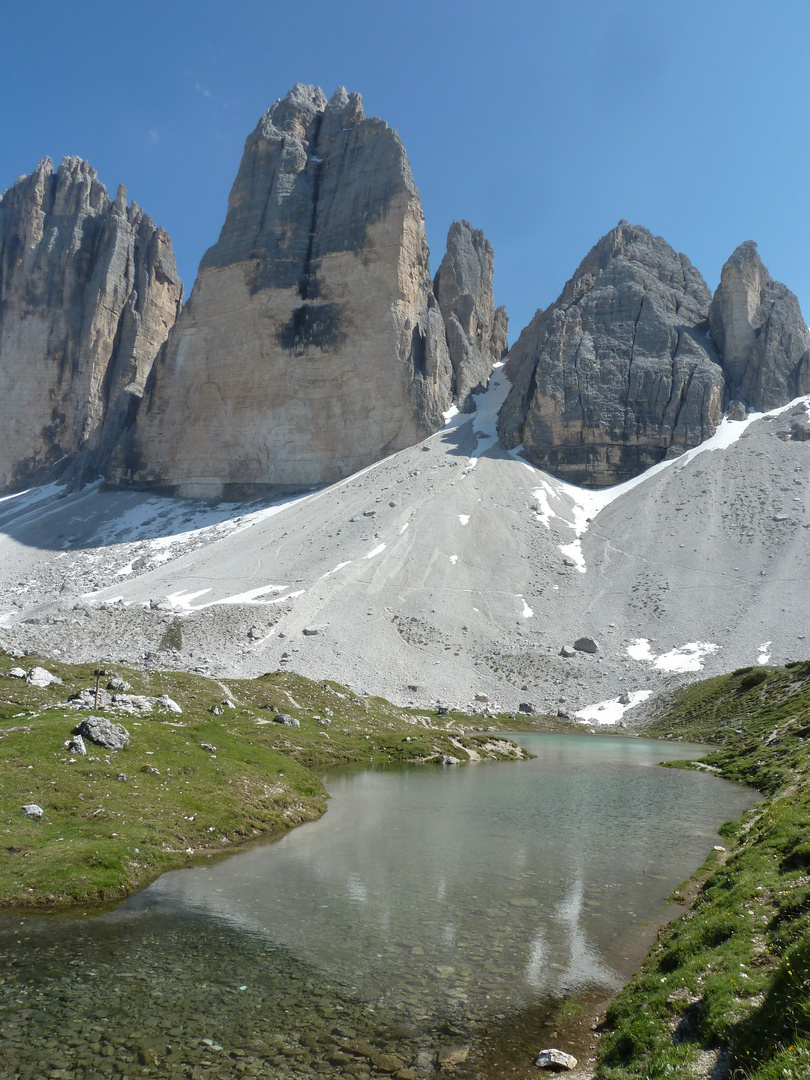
pixel 557 1060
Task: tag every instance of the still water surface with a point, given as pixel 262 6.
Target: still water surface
pixel 427 904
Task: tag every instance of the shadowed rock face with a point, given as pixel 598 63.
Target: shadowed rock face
pixel 758 328
pixel 312 344
pixel 88 292
pixel 619 372
pixel 476 331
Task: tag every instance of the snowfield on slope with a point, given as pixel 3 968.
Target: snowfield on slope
pixel 448 570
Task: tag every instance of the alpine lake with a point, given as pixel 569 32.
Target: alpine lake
pixel 433 916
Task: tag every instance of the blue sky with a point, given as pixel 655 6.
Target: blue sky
pixel 542 123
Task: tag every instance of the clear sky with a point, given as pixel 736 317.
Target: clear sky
pixel 542 123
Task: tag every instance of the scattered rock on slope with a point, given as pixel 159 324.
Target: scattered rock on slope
pixel 476 330
pixel 757 326
pixel 619 371
pixel 312 344
pixel 88 292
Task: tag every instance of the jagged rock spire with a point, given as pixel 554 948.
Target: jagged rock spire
pixel 88 292
pixel 312 344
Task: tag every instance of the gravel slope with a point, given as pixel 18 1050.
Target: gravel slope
pixel 433 577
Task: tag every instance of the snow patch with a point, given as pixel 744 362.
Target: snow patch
pixel 688 657
pixel 378 550
pixel 584 505
pixel 611 711
pixel 404 527
pixel 254 596
pixel 329 573
pixel 454 559
pixel 182 599
pixel 527 612
pixel 640 650
pixel 464 519
pixel 485 418
pixel 764 653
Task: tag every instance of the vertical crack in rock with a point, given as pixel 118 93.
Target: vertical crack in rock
pixel 307 283
pixel 312 344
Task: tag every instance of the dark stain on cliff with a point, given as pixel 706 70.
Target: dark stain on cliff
pixel 313 326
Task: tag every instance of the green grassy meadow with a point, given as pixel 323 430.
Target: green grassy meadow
pixel 727 985
pixel 188 783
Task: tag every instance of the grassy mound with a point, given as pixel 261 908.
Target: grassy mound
pixel 189 782
pixel 727 987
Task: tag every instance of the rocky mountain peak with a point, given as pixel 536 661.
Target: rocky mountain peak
pixel 618 372
pixel 312 344
pixel 88 291
pixel 758 328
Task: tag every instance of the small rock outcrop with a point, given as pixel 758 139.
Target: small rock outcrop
pixel 619 372
pixel 476 331
pixel 103 732
pixel 88 292
pixel 40 676
pixel 312 344
pixel 757 326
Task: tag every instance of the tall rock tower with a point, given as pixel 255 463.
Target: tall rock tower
pixel 476 330
pixel 312 344
pixel 759 330
pixel 88 292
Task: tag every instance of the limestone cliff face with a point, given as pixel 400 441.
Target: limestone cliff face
pixel 312 344
pixel 619 371
pixel 758 328
pixel 476 331
pixel 88 292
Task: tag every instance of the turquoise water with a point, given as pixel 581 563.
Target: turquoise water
pixel 427 904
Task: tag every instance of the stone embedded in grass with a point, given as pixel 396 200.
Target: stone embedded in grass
pixel 40 676
pixel 209 747
pixel 118 685
pixel 99 729
pixel 31 810
pixel 168 703
pixel 287 720
pixel 86 699
pixel 16 673
pixel 76 745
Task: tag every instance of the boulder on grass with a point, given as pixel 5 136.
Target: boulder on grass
pixel 100 730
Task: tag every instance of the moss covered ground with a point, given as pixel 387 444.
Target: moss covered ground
pixel 188 783
pixel 725 992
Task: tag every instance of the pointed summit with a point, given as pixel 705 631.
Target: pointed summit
pixel 618 372
pixel 312 344
pixel 89 294
pixel 758 328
